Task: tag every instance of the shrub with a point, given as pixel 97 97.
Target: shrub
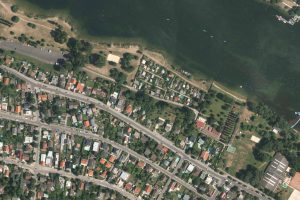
pixel 15 19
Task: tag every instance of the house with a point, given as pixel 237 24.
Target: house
pixel 96 146
pixel 112 158
pixel 137 190
pixel 18 109
pixel 4 106
pixel 42 97
pixel 84 162
pixel 108 165
pixel 208 180
pixel 200 123
pixel 104 174
pixel 190 168
pixel 102 161
pixel 43 159
pixel 80 87
pixel 71 83
pixel 124 176
pixel 168 127
pixel 41 76
pixel 6 81
pixel 113 99
pixel 91 173
pixel 28 140
pixel 205 155
pixel 148 189
pixel 275 172
pixel 120 106
pixel 62 164
pixel 141 164
pixel 128 109
pixel 86 123
pixel 128 186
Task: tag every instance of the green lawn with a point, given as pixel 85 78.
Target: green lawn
pixel 243 156
pixel 286 193
pixel 215 109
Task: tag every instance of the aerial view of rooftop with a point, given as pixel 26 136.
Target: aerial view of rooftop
pixel 149 99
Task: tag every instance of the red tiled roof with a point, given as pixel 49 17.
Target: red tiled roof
pixel 102 161
pixel 129 109
pixel 205 155
pixel 112 158
pixel 6 80
pixel 80 87
pixel 84 162
pixel 128 186
pixel 18 109
pixel 165 150
pixel 137 190
pixel 200 124
pixel 91 173
pixel 141 164
pixel 108 165
pixel 86 123
pixel 62 164
pixel 148 189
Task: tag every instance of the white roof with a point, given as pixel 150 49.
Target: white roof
pixel 43 157
pixel 96 146
pixel 113 58
pixel 295 195
pixel 201 119
pixel 275 130
pixel 115 95
pixel 255 139
pixel 190 168
pixel 28 140
pixel 208 180
pixel 124 176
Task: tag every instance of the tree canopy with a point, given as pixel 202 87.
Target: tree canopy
pixel 59 35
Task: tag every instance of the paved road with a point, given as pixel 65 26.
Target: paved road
pixel 156 136
pixel 46 170
pixel 90 135
pixel 36 53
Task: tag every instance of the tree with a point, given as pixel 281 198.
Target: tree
pixel 79 51
pixel 119 77
pixel 98 60
pixel 14 8
pixel 31 25
pixel 59 35
pixel 250 175
pixel 15 19
pixel 125 62
pixel 30 98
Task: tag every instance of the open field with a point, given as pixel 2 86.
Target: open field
pixel 243 156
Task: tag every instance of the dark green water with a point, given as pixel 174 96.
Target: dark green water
pixel 260 53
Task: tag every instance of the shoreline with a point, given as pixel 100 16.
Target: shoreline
pixel 144 45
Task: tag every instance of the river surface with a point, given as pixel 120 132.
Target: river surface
pixel 236 42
